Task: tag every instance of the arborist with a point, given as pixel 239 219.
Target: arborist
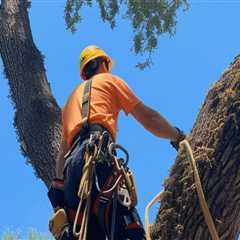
pixel 93 194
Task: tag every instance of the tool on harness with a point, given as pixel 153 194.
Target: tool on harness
pixel 107 197
pixel 127 193
pixel 114 189
pixel 122 178
pixel 104 142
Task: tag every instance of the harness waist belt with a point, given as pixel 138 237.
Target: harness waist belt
pixel 84 133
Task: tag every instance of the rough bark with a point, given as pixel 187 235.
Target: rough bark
pixel 215 139
pixel 215 136
pixel 37 116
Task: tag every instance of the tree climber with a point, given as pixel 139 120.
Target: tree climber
pixel 88 154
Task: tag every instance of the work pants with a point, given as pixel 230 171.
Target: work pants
pixel 125 218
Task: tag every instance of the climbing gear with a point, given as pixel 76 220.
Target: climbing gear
pixel 86 104
pixel 99 149
pixel 84 192
pixel 111 191
pixel 202 200
pixel 131 187
pixel 181 137
pixel 56 194
pixel 84 134
pixel 58 225
pixel 207 215
pixel 127 195
pixel 88 54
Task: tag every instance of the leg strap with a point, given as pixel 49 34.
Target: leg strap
pixel 101 209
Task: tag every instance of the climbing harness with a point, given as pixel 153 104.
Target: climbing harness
pixel 108 195
pixel 202 200
pixel 119 186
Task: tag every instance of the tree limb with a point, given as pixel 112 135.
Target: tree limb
pixel 37 117
pixel 215 139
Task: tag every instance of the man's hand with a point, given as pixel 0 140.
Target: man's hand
pixel 181 137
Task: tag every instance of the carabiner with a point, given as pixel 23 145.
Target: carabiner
pixel 114 146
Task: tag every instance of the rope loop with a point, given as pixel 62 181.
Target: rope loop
pixel 206 212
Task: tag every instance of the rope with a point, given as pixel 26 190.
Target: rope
pixel 202 200
pixel 156 198
pixel 84 193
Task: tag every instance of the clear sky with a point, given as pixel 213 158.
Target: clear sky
pixel 186 65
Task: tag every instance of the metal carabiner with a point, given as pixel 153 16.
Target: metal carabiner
pixel 102 139
pixel 114 146
pixel 91 147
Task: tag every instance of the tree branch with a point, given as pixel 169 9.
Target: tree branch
pixel 215 139
pixel 37 116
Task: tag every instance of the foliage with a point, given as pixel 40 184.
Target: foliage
pixel 149 19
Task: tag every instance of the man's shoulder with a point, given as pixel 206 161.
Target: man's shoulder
pixel 109 77
pixel 76 91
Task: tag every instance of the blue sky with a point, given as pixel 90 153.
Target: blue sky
pixel 186 65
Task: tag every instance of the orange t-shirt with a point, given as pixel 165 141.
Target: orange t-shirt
pixel 109 95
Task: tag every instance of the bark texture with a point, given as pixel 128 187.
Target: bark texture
pixel 215 139
pixel 37 116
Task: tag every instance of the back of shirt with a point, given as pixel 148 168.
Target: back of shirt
pixel 109 95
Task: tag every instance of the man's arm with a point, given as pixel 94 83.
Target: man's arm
pixel 60 161
pixel 154 122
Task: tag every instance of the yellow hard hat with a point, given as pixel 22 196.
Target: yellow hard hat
pixel 89 53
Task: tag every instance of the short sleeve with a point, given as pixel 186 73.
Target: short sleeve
pixel 126 98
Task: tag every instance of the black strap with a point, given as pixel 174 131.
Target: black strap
pixel 86 103
pixel 104 204
pixel 114 212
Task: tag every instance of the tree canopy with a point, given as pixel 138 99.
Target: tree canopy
pixel 149 19
pixel 214 138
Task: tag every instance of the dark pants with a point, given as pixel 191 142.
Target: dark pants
pixel 125 218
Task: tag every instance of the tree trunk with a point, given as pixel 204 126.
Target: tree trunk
pixel 37 116
pixel 215 139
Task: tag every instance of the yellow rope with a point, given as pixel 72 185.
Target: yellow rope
pixel 202 200
pixel 84 193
